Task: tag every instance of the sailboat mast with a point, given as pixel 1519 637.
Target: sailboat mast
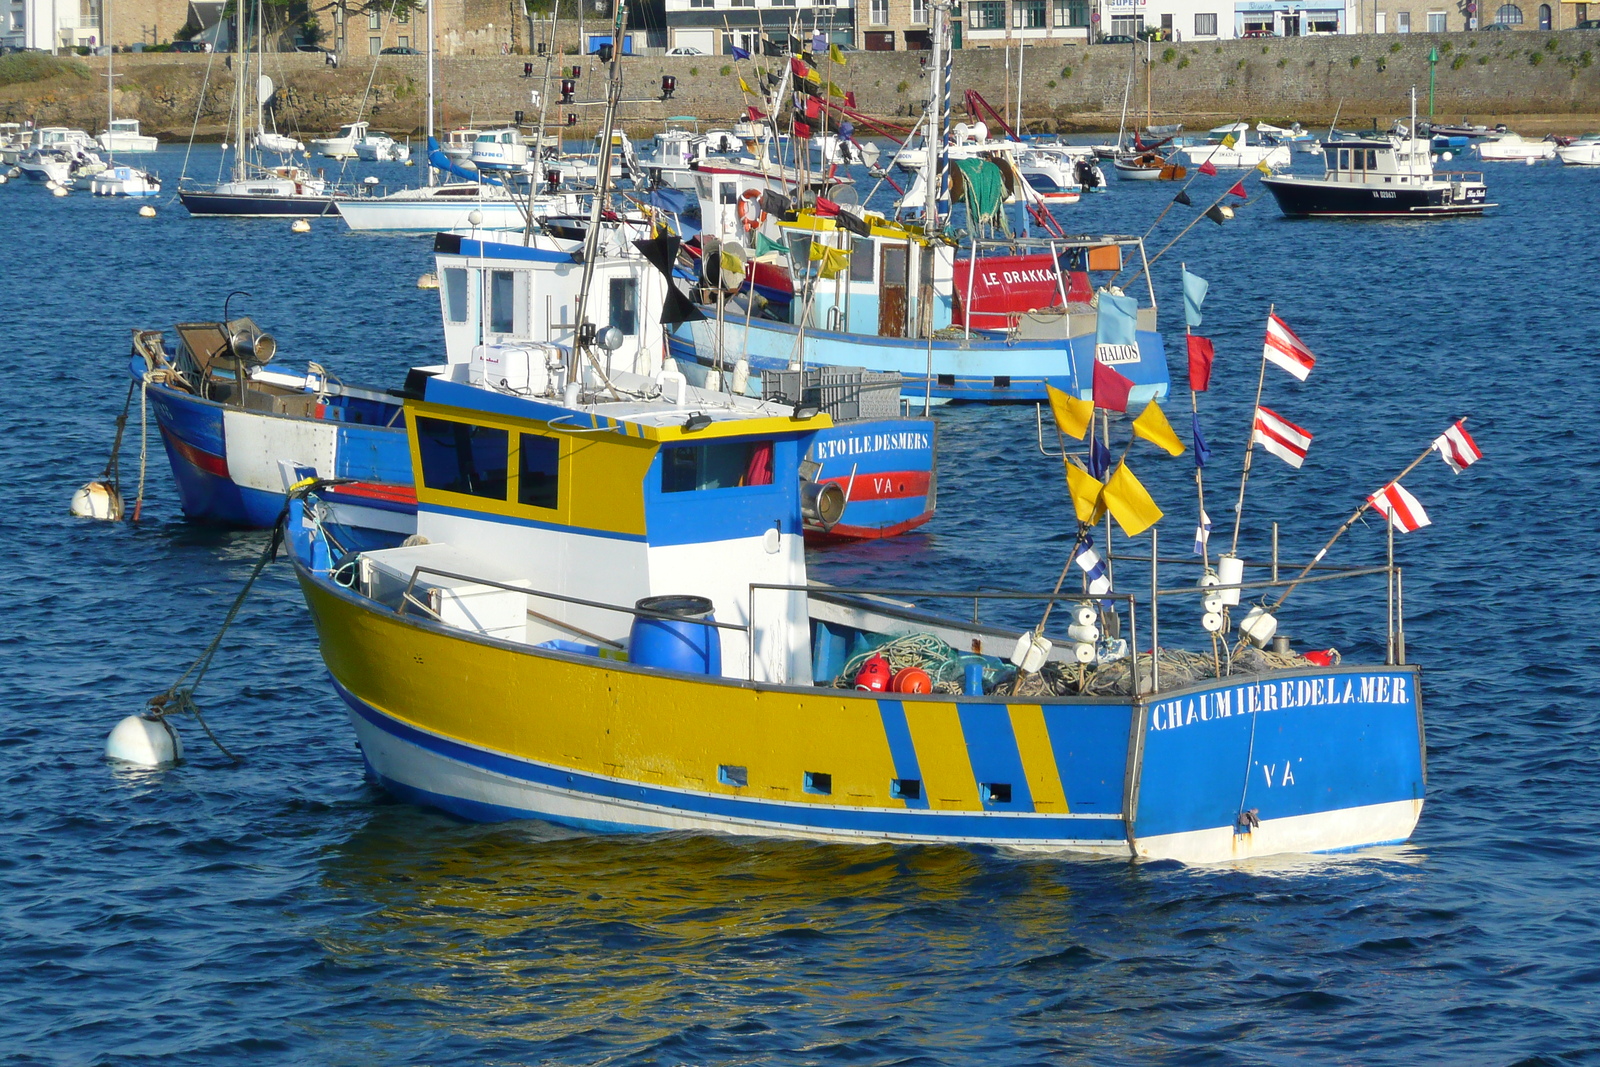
pixel 930 163
pixel 427 147
pixel 239 29
pixel 111 90
pixel 602 184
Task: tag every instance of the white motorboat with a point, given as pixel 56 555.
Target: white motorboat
pixel 457 144
pixel 13 142
pixel 1584 152
pixel 281 143
pixel 1511 147
pixel 500 149
pixel 60 165
pixel 124 136
pixel 1232 147
pixel 1148 167
pixel 341 145
pixel 381 148
pixel 451 207
pixel 119 179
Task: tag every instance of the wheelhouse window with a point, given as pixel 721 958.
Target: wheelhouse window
pixel 538 470
pixel 459 457
pixel 625 305
pixel 502 302
pixel 455 294
pixel 861 252
pixel 719 465
pixel 1344 159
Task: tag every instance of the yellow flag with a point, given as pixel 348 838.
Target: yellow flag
pixel 835 91
pixel 745 86
pixel 1229 141
pixel 1085 490
pixel 833 260
pixel 1152 425
pixel 836 54
pixel 1128 502
pixel 1073 416
pixel 814 75
pixel 1265 168
pixel 732 266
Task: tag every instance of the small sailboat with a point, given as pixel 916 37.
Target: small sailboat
pixel 121 179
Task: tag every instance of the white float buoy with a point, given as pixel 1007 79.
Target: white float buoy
pixel 50 183
pixel 429 280
pixel 144 742
pixel 58 191
pixel 301 226
pixel 1083 654
pixel 371 179
pixel 1212 621
pixel 97 500
pixel 1258 626
pixel 1532 161
pixel 1084 634
pixel 147 212
pixel 3 179
pixel 1230 571
pixel 14 172
pixel 1447 156
pixel 475 217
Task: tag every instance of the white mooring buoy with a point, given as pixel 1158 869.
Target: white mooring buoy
pixel 51 184
pixel 3 179
pixel 429 280
pixel 97 500
pixel 147 212
pixel 301 226
pixel 59 190
pixel 144 742
pixel 1532 160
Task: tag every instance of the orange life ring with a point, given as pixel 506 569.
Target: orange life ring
pixel 751 216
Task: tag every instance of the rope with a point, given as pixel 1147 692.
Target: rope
pixel 178 698
pixel 113 469
pixel 144 439
pixel 944 664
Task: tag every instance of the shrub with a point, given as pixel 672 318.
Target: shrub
pixel 1239 65
pixel 1168 55
pixel 1066 72
pixel 1051 84
pixel 1585 58
pixel 31 67
pixel 1282 63
pixel 1265 49
pixel 1482 60
pixel 1184 62
pixel 694 72
pixel 1394 48
pixel 1444 49
pixel 902 87
pixel 1355 61
pixel 1550 45
pixel 1458 62
pixel 725 71
pixel 1535 58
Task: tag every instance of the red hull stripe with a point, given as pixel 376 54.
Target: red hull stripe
pixel 867 533
pixel 890 485
pixel 392 494
pixel 215 465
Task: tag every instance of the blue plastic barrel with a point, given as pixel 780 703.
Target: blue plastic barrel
pixel 674 635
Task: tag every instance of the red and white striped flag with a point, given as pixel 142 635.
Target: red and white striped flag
pixel 1458 448
pixel 1286 350
pixel 1403 510
pixel 1281 437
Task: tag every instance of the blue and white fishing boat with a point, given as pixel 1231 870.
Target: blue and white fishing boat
pixel 606 622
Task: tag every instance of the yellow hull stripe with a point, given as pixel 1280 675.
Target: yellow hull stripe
pixel 1038 758
pixel 947 778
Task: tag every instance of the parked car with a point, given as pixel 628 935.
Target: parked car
pixel 312 48
pixel 1497 26
pixel 191 46
pixel 1588 24
pixel 1116 38
pixel 399 52
pixel 686 50
pixel 1259 33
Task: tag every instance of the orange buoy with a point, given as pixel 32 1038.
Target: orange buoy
pixel 912 680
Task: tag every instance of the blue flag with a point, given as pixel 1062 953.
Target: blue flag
pixel 1093 567
pixel 1202 451
pixel 740 53
pixel 1194 294
pixel 1099 459
pixel 1202 533
pixel 1117 321
pixel 819 42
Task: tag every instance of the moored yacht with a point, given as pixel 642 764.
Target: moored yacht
pixel 1390 175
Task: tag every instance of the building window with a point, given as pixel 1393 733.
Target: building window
pixel 985 15
pixel 1205 25
pixel 374 45
pixel 1131 26
pixel 1509 15
pixel 742 3
pixel 372 21
pixel 782 3
pixel 404 42
pixel 701 3
pixel 1544 16
pixel 919 12
pixel 1580 12
pixel 879 15
pixel 1402 22
pixel 1028 14
pixel 538 470
pixel 1436 22
pixel 1071 14
pixel 458 457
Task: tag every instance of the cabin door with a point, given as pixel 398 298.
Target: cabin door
pixel 892 302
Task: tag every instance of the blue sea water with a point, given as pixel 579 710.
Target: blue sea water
pixel 280 910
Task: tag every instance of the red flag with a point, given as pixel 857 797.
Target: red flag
pixel 1457 447
pixel 1404 510
pixel 1208 168
pixel 813 108
pixel 1111 389
pixel 754 114
pixel 850 100
pixel 1201 354
pixel 1238 190
pixel 1284 349
pixel 1281 437
pixel 799 67
pixel 824 205
pixel 801 129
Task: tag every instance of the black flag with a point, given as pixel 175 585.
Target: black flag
pixel 1183 198
pixel 679 308
pixel 850 221
pixel 1219 213
pixel 662 252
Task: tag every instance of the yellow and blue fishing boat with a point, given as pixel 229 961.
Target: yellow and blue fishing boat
pixel 605 621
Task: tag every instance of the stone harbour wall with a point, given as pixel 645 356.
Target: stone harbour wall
pixel 1486 76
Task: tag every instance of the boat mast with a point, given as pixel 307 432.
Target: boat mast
pixel 427 146
pixel 238 83
pixel 930 162
pixel 111 105
pixel 602 182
